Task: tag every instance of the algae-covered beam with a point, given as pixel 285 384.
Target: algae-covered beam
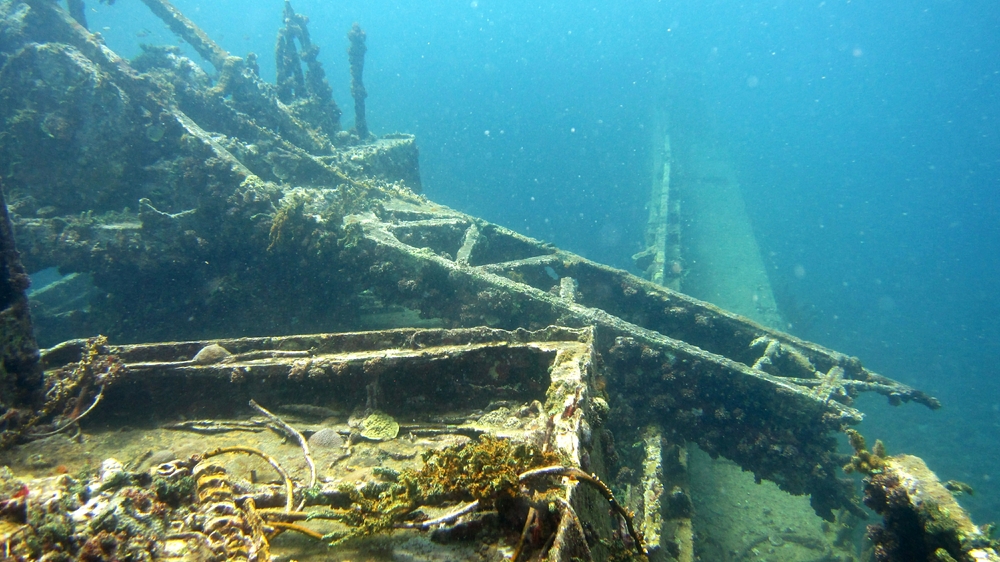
pixel 356 54
pixel 785 433
pixel 679 316
pixel 188 31
pixel 337 366
pixel 522 266
pixel 707 392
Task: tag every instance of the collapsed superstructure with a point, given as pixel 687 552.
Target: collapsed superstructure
pixel 238 215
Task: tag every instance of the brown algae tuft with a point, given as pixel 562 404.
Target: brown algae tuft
pixel 864 461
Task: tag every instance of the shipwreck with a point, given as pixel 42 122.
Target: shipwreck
pixel 261 342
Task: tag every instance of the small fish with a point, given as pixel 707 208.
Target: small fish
pixel 143 33
pixel 155 132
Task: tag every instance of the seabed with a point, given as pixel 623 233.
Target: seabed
pixel 349 371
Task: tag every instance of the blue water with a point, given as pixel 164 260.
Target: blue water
pixel 865 136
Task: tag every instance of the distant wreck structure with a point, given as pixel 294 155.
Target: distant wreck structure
pixel 325 359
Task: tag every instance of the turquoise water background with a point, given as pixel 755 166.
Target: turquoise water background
pixel 865 136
